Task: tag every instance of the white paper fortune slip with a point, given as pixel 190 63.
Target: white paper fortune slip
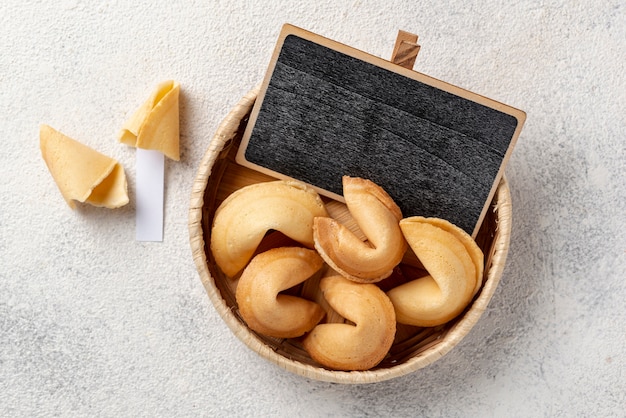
pixel 149 195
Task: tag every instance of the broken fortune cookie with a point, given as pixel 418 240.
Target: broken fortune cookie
pixel 82 173
pixel 155 125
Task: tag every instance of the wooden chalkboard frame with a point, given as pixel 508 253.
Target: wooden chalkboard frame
pixel 461 121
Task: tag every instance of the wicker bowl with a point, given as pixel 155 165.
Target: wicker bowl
pixel 413 348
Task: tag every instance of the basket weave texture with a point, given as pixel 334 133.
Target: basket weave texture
pixel 414 348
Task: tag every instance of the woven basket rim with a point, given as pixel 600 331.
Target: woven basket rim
pixel 226 131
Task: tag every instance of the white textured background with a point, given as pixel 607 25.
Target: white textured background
pixel 93 323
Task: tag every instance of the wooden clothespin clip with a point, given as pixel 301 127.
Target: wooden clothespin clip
pixel 405 50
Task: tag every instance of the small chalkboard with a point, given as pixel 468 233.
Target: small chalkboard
pixel 326 110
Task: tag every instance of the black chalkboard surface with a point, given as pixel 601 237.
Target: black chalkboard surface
pixel 326 110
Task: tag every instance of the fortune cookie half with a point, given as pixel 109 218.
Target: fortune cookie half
pixel 81 173
pixel 155 125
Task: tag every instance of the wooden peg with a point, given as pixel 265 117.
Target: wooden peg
pixel 405 50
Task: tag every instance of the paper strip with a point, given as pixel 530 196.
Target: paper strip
pixel 149 195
